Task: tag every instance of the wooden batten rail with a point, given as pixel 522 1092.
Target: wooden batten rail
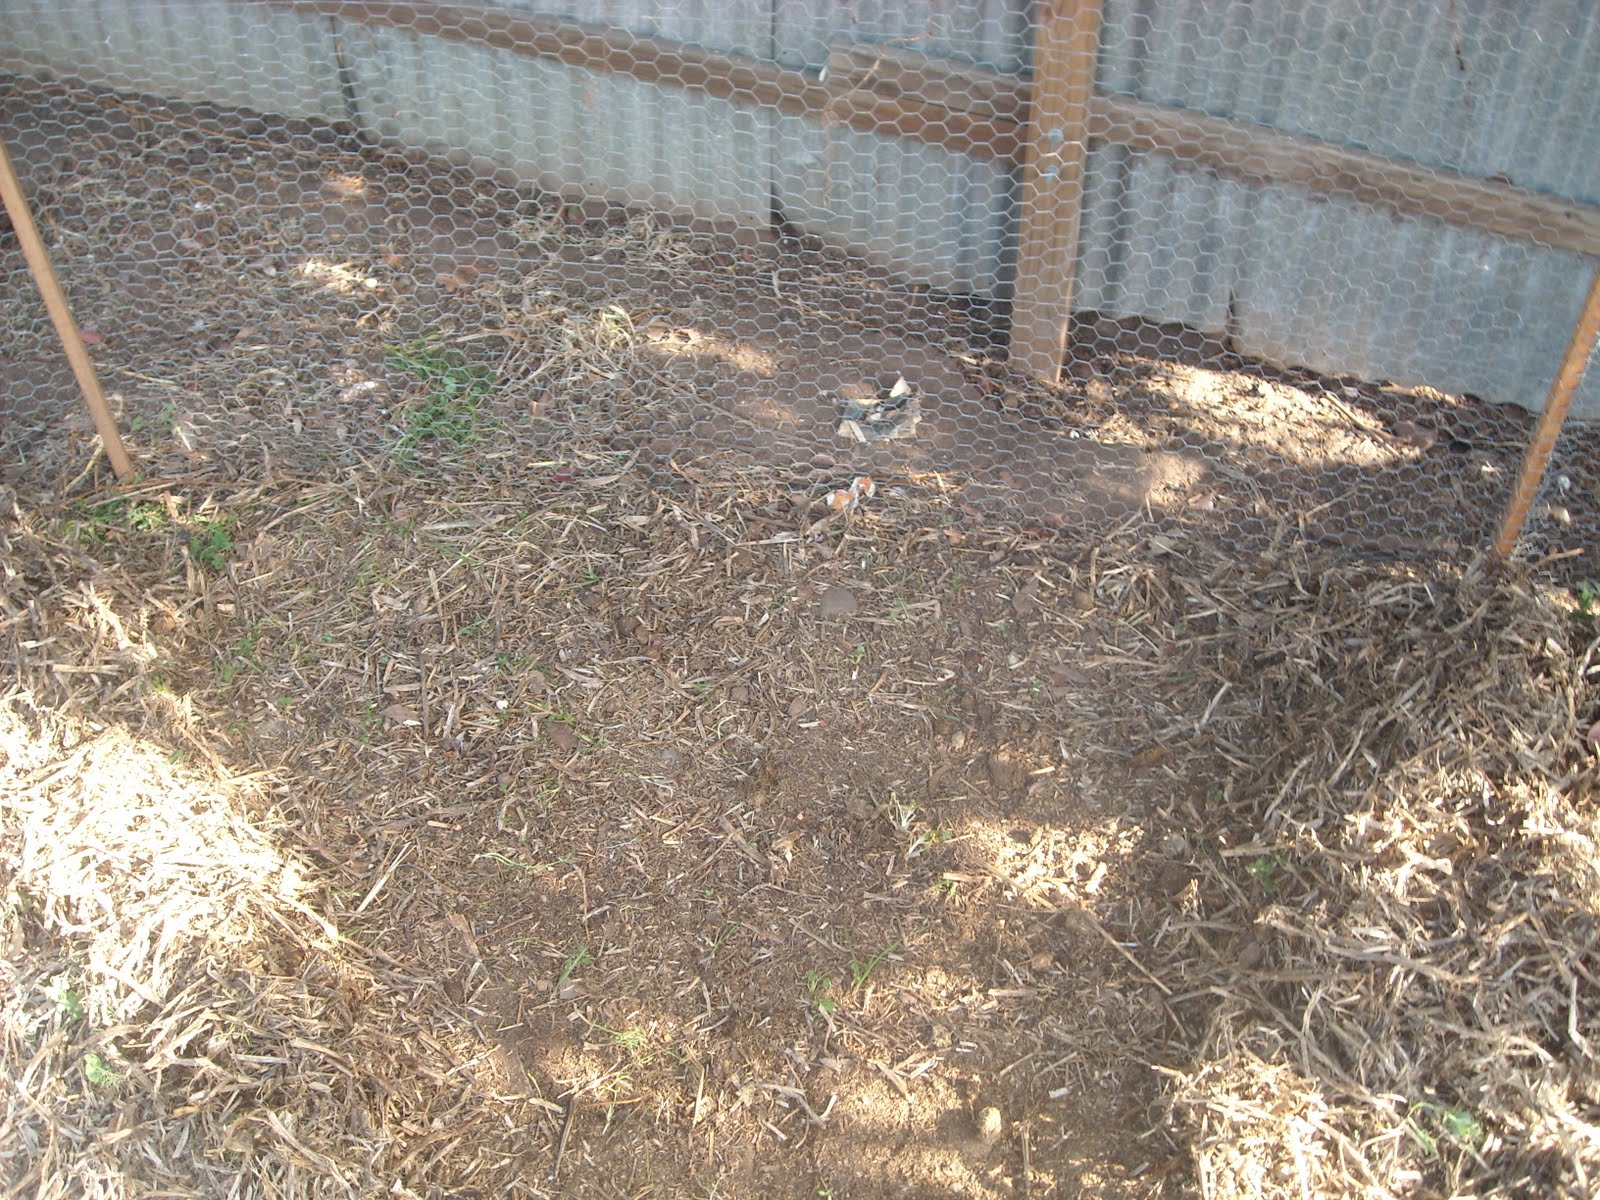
pixel 921 79
pixel 1239 149
pixel 1253 152
pixel 679 64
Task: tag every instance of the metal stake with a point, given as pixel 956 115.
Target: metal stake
pixel 1543 442
pixel 61 315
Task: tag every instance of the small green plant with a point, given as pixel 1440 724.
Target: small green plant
pixel 244 658
pixel 579 958
pixel 68 1001
pixel 1454 1122
pixel 1265 871
pixel 819 987
pixel 94 523
pixel 210 544
pixel 861 969
pixel 454 389
pixel 723 935
pixel 159 425
pixel 1588 601
pixel 99 1073
pixel 631 1040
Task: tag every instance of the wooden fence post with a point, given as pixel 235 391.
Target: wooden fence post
pixel 55 301
pixel 1064 56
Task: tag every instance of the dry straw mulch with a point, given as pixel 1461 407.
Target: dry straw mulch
pixel 1347 938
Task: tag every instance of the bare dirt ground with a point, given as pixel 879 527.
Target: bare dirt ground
pixel 473 762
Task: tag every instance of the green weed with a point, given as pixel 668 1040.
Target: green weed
pixel 68 1001
pixel 1588 601
pixel 1455 1123
pixel 454 390
pixel 579 958
pixel 861 969
pixel 818 986
pixel 1265 871
pixel 99 1073
pixel 210 544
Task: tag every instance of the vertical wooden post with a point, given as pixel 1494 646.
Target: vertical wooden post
pixel 1543 442
pixel 1065 49
pixel 55 301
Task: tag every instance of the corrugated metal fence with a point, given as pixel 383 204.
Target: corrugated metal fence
pixel 1493 90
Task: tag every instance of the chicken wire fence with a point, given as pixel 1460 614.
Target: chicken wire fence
pixel 1287 273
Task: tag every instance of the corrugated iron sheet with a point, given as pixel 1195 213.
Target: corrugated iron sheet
pixel 939 217
pixel 1489 89
pixel 249 56
pixel 574 130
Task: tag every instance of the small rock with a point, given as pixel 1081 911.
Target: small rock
pixel 1419 437
pixel 1026 600
pixel 1008 775
pixel 837 601
pixel 271 729
pixel 990 1125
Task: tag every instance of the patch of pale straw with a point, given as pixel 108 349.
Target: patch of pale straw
pixel 176 1015
pixel 1419 1015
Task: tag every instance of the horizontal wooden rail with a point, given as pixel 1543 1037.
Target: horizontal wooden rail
pixel 922 79
pixel 885 89
pixel 1237 149
pixel 1246 151
pixel 678 64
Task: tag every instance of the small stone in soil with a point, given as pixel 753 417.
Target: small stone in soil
pixel 990 1125
pixel 836 601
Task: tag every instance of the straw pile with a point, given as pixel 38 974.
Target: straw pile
pixel 176 1015
pixel 1397 985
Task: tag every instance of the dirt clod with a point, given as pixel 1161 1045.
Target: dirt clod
pixel 990 1125
pixel 837 601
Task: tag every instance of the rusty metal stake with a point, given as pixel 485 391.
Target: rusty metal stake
pixel 55 300
pixel 1543 442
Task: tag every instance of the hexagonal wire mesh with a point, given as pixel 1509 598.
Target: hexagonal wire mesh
pixel 1121 266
